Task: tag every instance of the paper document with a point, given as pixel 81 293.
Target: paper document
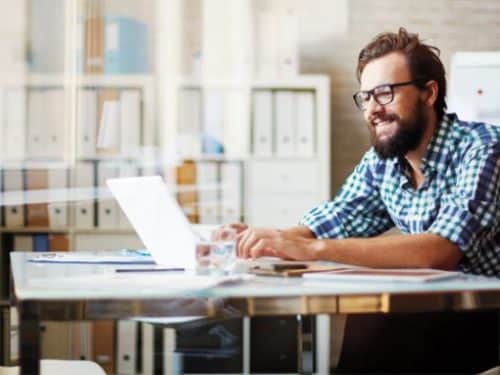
pixel 97 257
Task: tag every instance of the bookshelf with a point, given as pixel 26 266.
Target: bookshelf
pixel 243 183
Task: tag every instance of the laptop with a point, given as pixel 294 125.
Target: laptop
pixel 157 218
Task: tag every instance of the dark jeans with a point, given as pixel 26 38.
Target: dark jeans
pixel 450 342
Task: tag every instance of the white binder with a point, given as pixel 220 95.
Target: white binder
pixel 126 170
pixel 15 124
pixel 87 123
pixel 208 192
pixel 54 123
pixel 285 123
pixel 267 45
pixel 213 118
pixel 130 122
pixel 288 51
pixel 189 137
pixel 38 119
pixel 237 123
pixel 148 349
pixel 305 124
pixel 262 123
pixel 84 209
pixel 107 212
pixel 231 194
pixel 58 197
pixel 14 214
pixel 126 347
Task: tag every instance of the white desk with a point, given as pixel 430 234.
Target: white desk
pixel 89 292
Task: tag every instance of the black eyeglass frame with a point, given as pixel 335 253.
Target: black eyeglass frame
pixel 371 92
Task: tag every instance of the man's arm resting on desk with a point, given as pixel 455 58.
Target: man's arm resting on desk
pixel 422 250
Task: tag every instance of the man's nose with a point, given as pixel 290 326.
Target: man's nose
pixel 373 107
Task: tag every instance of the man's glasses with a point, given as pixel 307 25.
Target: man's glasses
pixel 383 94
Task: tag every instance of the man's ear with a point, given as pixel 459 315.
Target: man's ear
pixel 431 93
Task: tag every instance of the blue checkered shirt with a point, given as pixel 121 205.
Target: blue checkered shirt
pixel 458 200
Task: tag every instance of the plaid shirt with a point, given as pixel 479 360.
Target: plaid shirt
pixel 458 200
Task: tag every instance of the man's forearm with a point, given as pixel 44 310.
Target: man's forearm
pixel 405 251
pixel 299 231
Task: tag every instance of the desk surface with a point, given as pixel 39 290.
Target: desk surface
pixel 262 295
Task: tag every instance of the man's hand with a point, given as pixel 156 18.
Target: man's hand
pixel 258 242
pixel 220 233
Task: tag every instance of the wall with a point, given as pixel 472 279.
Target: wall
pixel 451 25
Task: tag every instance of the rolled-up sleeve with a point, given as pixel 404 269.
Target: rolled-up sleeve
pixel 357 210
pixel 469 216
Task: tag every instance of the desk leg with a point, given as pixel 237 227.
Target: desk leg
pixel 29 338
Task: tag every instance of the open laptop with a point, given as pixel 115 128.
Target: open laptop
pixel 157 219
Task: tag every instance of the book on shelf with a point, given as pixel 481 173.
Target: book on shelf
pixel 125 45
pixel 93 42
pixel 37 214
pixel 187 195
pixel 207 180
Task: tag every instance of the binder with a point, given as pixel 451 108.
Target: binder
pixel 84 212
pixel 285 123
pixel 126 170
pixel 14 334
pixel 214 43
pixel 126 351
pixel 267 45
pixel 305 124
pixel 148 349
pixel 213 121
pixel 108 118
pixel 94 26
pixel 130 123
pixel 37 214
pixel 125 45
pixel 37 124
pixel 58 242
pixel 231 192
pixel 40 242
pixel 103 336
pixel 262 123
pixel 15 124
pixel 54 146
pixel 107 212
pixel 56 340
pixel 190 114
pixel 86 123
pixel 237 123
pixel 23 242
pixel 208 192
pixel 187 196
pixel 58 197
pixel 288 39
pixel 46 35
pixel 14 214
pixel 81 340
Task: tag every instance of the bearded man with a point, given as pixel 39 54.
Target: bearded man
pixel 433 177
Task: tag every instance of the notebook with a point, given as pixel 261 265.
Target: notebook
pixel 414 275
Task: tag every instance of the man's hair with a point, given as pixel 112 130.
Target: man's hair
pixel 423 61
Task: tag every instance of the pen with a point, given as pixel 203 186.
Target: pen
pixel 170 269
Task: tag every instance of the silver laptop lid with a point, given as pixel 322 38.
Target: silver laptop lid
pixel 157 219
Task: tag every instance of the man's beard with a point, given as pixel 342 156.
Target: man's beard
pixel 407 137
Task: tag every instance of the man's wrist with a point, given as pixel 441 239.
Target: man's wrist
pixel 317 249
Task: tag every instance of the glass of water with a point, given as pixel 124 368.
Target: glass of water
pixel 218 256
